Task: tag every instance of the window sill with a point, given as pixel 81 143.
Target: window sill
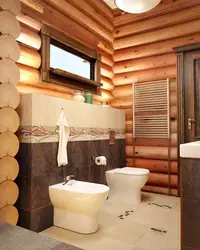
pixel 70 76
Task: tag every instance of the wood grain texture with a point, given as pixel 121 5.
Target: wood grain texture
pixel 9 96
pixel 13 6
pixel 9 169
pixel 9 144
pixel 158 35
pixel 9 24
pixel 29 57
pixel 9 72
pixel 9 48
pixel 9 214
pixel 9 120
pixel 9 193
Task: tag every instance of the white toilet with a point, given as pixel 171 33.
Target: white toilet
pixel 76 205
pixel 126 183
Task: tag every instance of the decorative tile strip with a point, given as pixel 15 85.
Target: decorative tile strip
pixel 37 134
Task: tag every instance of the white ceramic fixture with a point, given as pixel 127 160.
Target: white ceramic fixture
pixel 190 150
pixel 76 205
pixel 136 6
pixel 126 183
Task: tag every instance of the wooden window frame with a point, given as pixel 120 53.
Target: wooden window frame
pixel 51 36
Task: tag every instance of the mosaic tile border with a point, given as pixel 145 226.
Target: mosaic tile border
pixel 38 134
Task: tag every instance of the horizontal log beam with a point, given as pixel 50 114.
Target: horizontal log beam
pixel 160 190
pixel 107 71
pixel 29 57
pixel 107 83
pixel 32 23
pixel 70 11
pixel 159 10
pixel 157 166
pixel 158 22
pixel 162 180
pixel 156 48
pixel 145 63
pixel 158 35
pixel 145 75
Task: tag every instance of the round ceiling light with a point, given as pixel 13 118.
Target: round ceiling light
pixel 136 6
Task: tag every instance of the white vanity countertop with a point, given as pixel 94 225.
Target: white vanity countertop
pixel 190 150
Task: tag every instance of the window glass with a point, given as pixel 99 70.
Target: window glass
pixel 61 59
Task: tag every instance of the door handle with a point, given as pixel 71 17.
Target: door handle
pixel 190 121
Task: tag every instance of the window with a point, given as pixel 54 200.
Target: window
pixel 69 63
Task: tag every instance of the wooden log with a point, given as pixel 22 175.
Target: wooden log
pixel 9 72
pixel 129 139
pixel 160 190
pixel 129 151
pixel 29 38
pixel 102 8
pixel 9 144
pixel 153 49
pixel 145 75
pixel 106 96
pixel 63 24
pixel 173 99
pixel 9 96
pixel 29 57
pixel 30 22
pixel 157 166
pixel 123 90
pixel 158 22
pixel 9 214
pixel 150 152
pixel 173 86
pixel 129 126
pixel 9 120
pixel 107 59
pixel 79 17
pixel 162 9
pixel 130 162
pixel 129 114
pixel 174 126
pixel 36 5
pixel 9 193
pixel 13 6
pixel 9 24
pixel 9 48
pixel 107 83
pixel 156 142
pixel 123 102
pixel 9 169
pixel 28 75
pixel 105 47
pixel 173 112
pixel 92 13
pixel 158 35
pixel 145 63
pixel 162 180
pixel 23 88
pixel 107 71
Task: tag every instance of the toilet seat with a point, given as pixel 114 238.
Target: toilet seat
pixel 131 171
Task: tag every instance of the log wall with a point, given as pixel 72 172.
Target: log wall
pixel 85 23
pixel 9 100
pixel 143 51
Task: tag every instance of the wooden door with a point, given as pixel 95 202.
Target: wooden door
pixel 188 79
pixel 192 95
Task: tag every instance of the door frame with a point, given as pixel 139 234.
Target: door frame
pixel 180 55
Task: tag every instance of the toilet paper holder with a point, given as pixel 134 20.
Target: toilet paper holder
pixel 99 160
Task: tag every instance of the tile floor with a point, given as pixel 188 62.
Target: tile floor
pixel 126 226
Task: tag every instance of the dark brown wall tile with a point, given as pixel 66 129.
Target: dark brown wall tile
pixel 191 223
pixel 190 179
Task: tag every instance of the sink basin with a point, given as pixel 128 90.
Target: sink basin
pixel 190 150
pixel 76 205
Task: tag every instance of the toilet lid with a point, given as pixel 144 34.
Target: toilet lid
pixel 131 171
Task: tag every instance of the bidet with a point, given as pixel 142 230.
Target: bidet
pixel 76 206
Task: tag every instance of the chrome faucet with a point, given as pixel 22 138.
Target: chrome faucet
pixel 68 178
